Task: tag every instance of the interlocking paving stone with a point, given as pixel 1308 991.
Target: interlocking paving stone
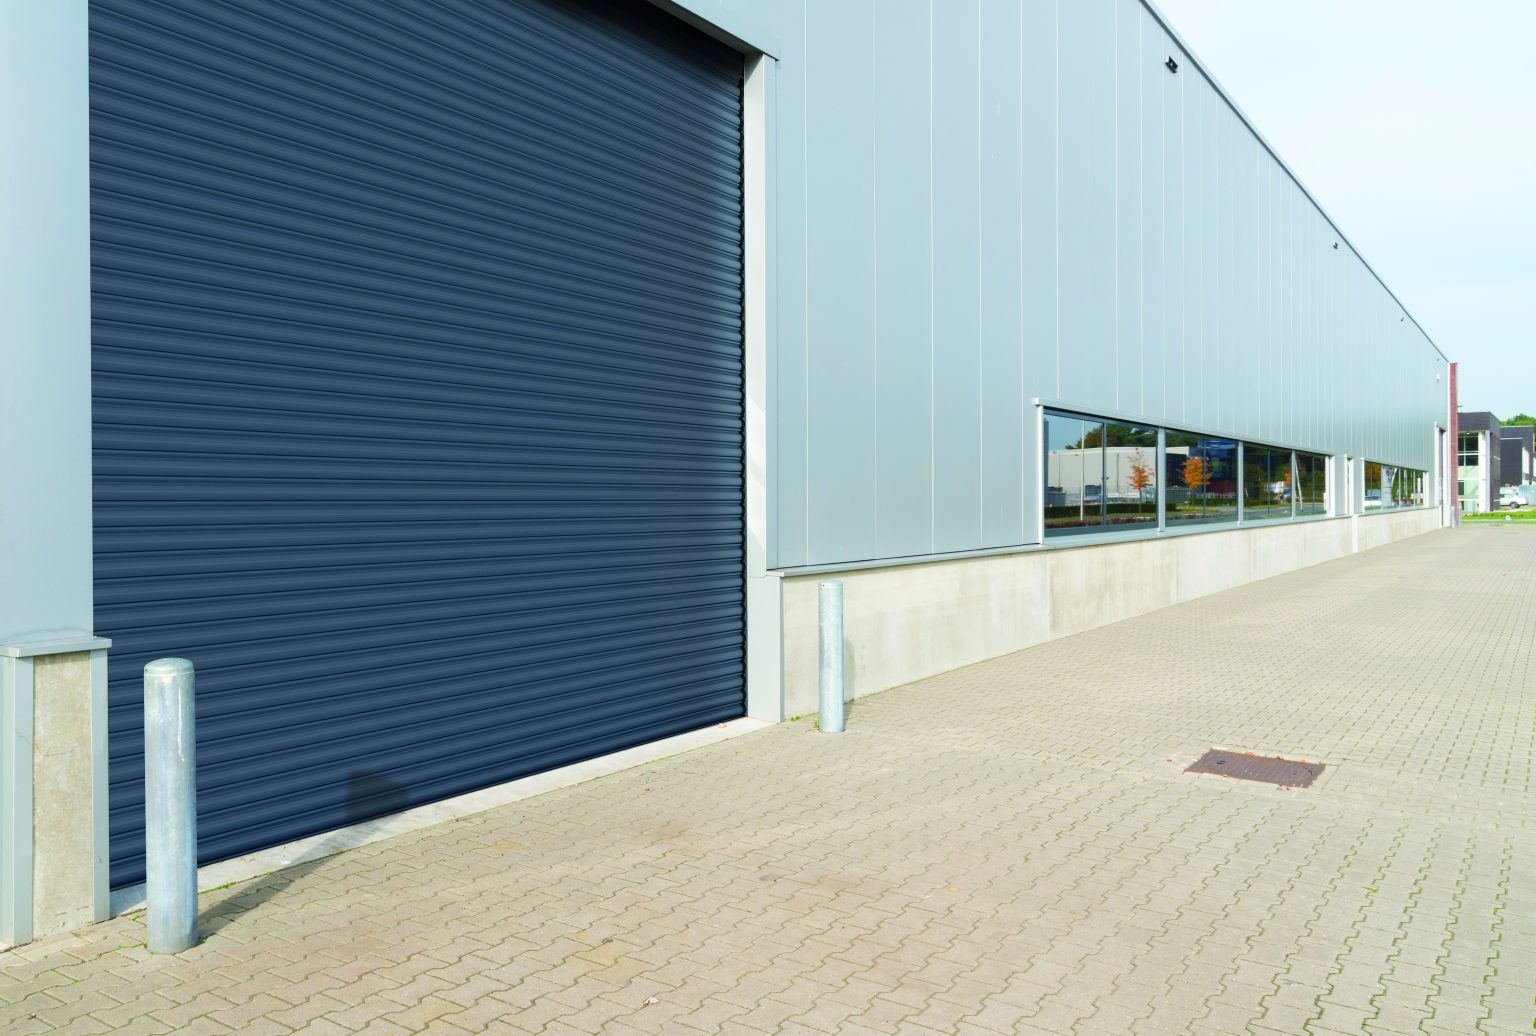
pixel 1008 848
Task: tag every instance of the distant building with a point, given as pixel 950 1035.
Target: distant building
pixel 1517 455
pixel 1479 463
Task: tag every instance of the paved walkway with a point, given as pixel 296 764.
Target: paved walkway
pixel 1010 847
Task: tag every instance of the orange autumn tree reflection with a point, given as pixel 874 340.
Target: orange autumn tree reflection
pixel 1140 477
pixel 1196 473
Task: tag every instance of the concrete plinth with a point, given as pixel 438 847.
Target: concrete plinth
pixel 907 622
pixel 53 795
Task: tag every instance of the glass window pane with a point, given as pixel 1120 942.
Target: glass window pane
pixel 1099 476
pixel 1074 474
pixel 1388 487
pixel 1130 475
pixel 1200 474
pixel 1467 448
pixel 1372 486
pixel 1311 484
pixel 1266 483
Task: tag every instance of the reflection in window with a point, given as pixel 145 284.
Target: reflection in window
pixel 1373 495
pixel 1200 476
pixel 1266 483
pixel 1389 488
pixel 1470 480
pixel 1102 476
pixel 1467 449
pixel 1407 488
pixel 1098 475
pixel 1311 484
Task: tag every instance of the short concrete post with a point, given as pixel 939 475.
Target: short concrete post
pixel 170 779
pixel 831 608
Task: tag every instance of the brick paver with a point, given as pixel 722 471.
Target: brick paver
pixel 1011 847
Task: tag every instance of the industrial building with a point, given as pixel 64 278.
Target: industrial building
pixel 1517 454
pixel 1479 461
pixel 1490 456
pixel 472 389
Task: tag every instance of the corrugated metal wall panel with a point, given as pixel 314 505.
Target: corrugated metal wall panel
pixel 904 270
pixel 840 277
pixel 1144 195
pixel 1086 189
pixel 418 397
pixel 789 213
pixel 1004 410
pixel 955 371
pixel 1150 247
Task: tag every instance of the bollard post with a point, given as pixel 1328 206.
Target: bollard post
pixel 170 801
pixel 831 611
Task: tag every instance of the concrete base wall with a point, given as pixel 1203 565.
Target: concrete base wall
pixel 53 787
pixel 63 828
pixel 904 623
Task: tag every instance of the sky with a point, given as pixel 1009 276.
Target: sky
pixel 1413 123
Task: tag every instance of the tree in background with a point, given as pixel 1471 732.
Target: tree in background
pixel 1196 473
pixel 1141 476
pixel 1119 435
pixel 1520 419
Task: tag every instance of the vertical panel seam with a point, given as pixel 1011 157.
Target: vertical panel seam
pixel 805 315
pixel 1023 433
pixel 874 222
pixel 981 312
pixel 933 445
pixel 1057 109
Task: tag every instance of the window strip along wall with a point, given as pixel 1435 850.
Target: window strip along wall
pixel 1389 488
pixel 1112 476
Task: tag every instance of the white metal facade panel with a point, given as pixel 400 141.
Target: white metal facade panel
pixel 1115 234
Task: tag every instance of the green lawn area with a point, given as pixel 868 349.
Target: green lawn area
pixel 1522 515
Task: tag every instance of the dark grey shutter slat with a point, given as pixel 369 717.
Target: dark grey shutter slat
pixel 418 394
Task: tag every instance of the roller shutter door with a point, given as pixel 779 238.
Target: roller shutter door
pixel 418 394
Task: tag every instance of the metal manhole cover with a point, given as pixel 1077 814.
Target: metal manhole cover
pixel 1243 766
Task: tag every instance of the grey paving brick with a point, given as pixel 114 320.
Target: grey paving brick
pixel 1007 848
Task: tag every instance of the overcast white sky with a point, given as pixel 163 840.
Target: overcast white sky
pixel 1413 122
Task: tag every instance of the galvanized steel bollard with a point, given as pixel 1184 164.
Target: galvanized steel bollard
pixel 831 608
pixel 170 779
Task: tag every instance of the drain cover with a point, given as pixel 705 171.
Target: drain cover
pixel 1290 773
